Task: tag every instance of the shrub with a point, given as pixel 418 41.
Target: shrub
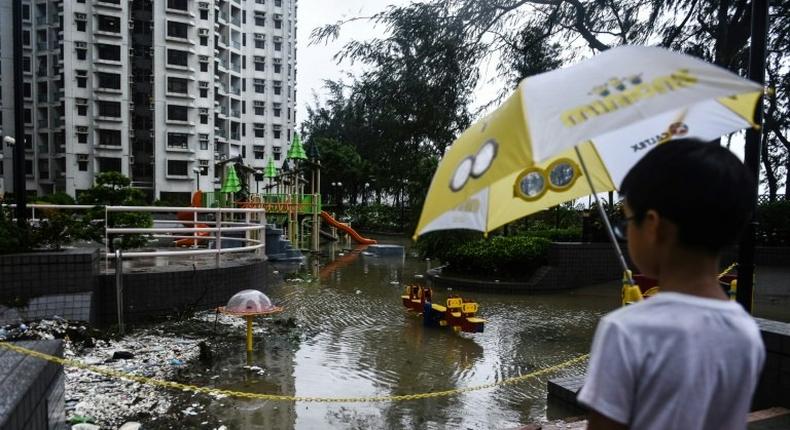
pixel 774 228
pixel 437 244
pixel 570 234
pixel 12 237
pixel 501 255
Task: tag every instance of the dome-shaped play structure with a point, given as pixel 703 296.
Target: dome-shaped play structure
pixel 249 304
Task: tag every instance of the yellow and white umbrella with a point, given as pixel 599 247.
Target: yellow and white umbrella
pixel 602 114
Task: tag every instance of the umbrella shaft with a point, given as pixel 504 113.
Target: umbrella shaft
pixel 604 217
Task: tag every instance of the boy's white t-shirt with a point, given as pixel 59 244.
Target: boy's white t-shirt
pixel 675 361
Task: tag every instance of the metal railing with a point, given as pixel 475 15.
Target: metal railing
pixel 250 221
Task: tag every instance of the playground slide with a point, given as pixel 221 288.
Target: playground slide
pixel 197 201
pixel 345 227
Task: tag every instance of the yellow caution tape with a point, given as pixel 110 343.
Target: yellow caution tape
pixel 282 398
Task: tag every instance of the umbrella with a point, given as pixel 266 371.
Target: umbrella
pixel 231 183
pixel 601 115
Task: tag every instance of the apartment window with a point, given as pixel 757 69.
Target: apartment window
pixel 203 85
pixel 260 18
pixel 82 162
pixel 203 139
pixel 26 12
pixel 276 153
pixel 109 109
pixel 110 24
pixel 27 90
pixel 108 52
pixel 204 115
pixel 177 85
pixel 177 113
pixel 177 57
pixel 260 63
pixel 203 40
pixel 259 129
pixel 204 14
pixel 259 107
pixel 278 23
pixel 277 109
pixel 178 4
pixel 278 68
pixel 260 41
pixel 177 29
pixel 276 131
pixel 82 78
pixel 109 164
pixel 258 152
pixel 178 140
pixel 109 137
pixel 278 3
pixel 82 134
pixel 109 80
pixel 43 169
pixel 27 114
pixel 29 167
pixel 277 87
pixel 81 50
pixel 177 167
pixel 82 106
pixel 278 46
pixel 259 85
pixel 260 1
pixel 26 65
pixel 81 21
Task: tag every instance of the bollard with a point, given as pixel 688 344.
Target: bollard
pixel 218 237
pixel 119 288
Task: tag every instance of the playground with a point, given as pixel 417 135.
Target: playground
pixel 287 202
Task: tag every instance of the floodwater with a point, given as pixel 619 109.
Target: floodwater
pixel 362 342
pixel 365 343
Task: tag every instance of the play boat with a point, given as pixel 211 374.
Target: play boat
pixel 458 313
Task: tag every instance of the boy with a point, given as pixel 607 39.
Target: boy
pixel 687 358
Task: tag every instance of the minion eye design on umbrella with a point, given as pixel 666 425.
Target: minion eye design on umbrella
pixel 531 184
pixel 484 158
pixel 562 174
pixel 474 166
pixel 462 173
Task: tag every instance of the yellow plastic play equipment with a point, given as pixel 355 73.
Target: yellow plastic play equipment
pixel 632 293
pixel 249 304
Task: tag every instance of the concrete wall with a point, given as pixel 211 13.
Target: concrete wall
pixel 47 283
pixel 32 392
pixel 774 386
pixel 69 284
pixel 168 293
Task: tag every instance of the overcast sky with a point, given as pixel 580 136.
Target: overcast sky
pixel 314 62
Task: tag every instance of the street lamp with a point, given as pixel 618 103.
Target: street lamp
pixel 197 171
pixel 258 174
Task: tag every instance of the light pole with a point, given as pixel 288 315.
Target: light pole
pixel 258 175
pixel 20 190
pixel 197 171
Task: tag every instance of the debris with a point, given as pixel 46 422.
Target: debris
pixel 131 425
pixel 176 362
pixel 122 355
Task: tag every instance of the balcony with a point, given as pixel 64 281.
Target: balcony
pixel 41 46
pixel 42 123
pixel 41 21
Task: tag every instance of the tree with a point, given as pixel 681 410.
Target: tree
pixel 530 36
pixel 114 189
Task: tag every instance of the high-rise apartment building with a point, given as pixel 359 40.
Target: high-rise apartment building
pixel 159 90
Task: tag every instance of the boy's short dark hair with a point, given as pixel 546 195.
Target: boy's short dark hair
pixel 702 187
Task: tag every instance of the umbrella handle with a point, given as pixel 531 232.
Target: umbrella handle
pixel 605 218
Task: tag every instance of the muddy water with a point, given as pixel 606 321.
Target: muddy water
pixel 363 343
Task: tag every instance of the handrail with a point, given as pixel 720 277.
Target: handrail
pixel 165 230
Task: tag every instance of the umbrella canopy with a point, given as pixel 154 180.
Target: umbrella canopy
pixel 271 169
pixel 610 110
pixel 231 183
pixel 296 151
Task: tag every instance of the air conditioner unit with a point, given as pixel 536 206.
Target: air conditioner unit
pixel 131 24
pixel 203 32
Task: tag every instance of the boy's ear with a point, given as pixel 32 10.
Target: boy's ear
pixel 651 226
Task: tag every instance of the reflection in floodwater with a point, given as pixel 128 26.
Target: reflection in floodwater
pixel 362 342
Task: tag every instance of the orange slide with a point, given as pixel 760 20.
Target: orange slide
pixel 197 201
pixel 347 228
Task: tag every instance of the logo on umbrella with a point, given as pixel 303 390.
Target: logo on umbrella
pixel 534 182
pixel 676 129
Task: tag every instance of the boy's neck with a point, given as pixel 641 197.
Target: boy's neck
pixel 691 272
